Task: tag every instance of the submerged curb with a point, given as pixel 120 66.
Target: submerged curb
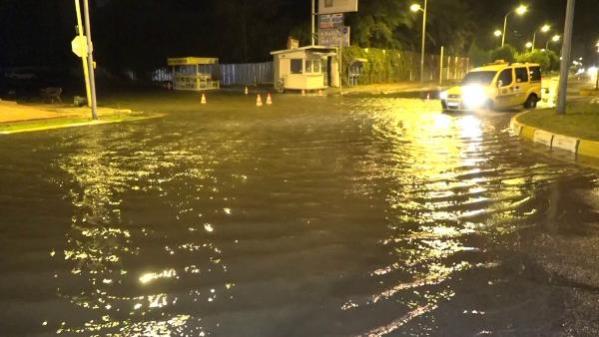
pixel 578 146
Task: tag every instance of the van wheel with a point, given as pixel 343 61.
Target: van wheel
pixel 531 102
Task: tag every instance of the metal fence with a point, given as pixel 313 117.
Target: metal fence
pixel 246 73
pixel 389 66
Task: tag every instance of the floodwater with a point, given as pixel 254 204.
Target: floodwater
pixel 313 217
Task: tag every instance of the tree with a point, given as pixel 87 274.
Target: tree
pixel 541 57
pixel 506 53
pixel 477 56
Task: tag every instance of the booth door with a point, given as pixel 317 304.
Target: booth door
pixel 326 69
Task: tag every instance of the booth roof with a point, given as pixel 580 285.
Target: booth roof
pixel 191 61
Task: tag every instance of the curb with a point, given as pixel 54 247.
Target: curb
pixel 578 146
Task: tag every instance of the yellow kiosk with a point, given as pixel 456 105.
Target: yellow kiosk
pixel 194 73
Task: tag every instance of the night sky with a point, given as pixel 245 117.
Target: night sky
pixel 139 35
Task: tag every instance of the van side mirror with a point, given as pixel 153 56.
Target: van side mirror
pixel 499 84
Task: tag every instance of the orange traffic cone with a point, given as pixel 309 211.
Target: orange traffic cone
pixel 303 92
pixel 203 101
pixel 258 101
pixel 320 93
pixel 428 96
pixel 269 99
pixel 246 91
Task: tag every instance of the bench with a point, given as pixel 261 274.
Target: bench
pixel 51 94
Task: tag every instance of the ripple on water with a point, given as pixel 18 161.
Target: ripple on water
pixel 359 218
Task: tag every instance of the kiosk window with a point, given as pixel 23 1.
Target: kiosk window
pixel 297 66
pixel 521 75
pixel 313 66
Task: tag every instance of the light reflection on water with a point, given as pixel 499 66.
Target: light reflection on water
pixel 362 218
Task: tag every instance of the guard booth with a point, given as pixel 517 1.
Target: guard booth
pixel 306 68
pixel 194 73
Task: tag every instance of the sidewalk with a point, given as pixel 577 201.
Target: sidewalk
pixel 11 112
pixel 576 132
pixel 17 118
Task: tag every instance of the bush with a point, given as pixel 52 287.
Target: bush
pixel 383 66
pixel 536 56
pixel 506 53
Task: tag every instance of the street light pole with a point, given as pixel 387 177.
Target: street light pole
pixel 83 59
pixel 90 60
pixel 565 64
pixel 555 38
pixel 505 28
pixel 544 29
pixel 521 10
pixel 313 14
pixel 597 72
pixel 423 50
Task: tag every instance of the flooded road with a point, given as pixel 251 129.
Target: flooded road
pixel 314 217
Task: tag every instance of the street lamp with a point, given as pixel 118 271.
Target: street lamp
pixel 543 29
pixel 520 10
pixel 497 33
pixel 554 39
pixel 528 45
pixel 417 8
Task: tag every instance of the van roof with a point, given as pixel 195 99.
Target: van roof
pixel 500 65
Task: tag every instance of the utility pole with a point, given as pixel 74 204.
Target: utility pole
pixel 504 29
pixel 423 50
pixel 441 65
pixel 313 14
pixel 341 41
pixel 565 64
pixel 90 60
pixel 83 59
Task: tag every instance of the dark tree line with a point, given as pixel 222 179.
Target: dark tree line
pixel 139 35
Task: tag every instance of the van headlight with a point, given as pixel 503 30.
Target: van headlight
pixel 443 95
pixel 474 96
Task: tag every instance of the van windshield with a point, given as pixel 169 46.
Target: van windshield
pixel 479 77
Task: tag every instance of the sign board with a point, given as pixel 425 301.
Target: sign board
pixel 337 6
pixel 330 21
pixel 334 37
pixel 189 61
pixel 79 46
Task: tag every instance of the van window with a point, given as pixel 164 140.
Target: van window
pixel 479 77
pixel 535 74
pixel 297 66
pixel 521 75
pixel 506 77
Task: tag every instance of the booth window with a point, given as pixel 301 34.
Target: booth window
pixel 297 66
pixel 313 66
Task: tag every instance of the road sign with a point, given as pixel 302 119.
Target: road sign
pixel 337 6
pixel 334 37
pixel 331 21
pixel 79 46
